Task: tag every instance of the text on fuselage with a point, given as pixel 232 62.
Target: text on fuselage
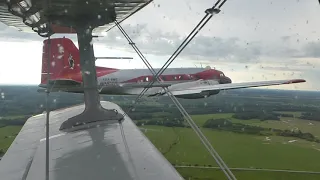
pixel 109 81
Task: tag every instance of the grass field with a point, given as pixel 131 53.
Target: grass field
pixel 7 135
pixel 284 123
pixel 182 147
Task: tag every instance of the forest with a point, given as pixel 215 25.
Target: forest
pixel 22 102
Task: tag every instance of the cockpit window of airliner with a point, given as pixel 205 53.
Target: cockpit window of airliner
pixel 146 89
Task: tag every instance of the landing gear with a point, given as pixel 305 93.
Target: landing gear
pixel 93 110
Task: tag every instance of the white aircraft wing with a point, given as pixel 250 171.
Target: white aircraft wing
pixel 95 152
pixel 205 88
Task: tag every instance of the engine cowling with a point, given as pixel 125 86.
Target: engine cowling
pixel 192 84
pixel 198 95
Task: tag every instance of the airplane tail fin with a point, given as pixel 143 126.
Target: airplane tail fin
pixel 64 64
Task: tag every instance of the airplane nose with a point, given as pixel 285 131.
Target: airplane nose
pixel 229 80
pixel 225 80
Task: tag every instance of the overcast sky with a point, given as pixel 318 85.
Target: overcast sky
pixel 249 41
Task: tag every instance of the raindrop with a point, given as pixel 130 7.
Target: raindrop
pixel 53 63
pixel 99 16
pixel 106 9
pixel 205 104
pixel 2 94
pixel 133 109
pixel 55 100
pixel 66 10
pixel 41 105
pixel 87 2
pixel 87 72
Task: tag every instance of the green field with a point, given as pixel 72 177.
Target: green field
pixel 284 123
pixel 182 147
pixel 7 135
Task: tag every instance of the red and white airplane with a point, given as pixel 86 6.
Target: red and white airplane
pixel 188 83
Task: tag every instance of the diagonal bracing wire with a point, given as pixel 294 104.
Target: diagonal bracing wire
pixel 209 13
pixel 202 137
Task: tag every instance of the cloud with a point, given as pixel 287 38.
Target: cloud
pixel 312 49
pixel 165 43
pixel 232 49
pixel 12 34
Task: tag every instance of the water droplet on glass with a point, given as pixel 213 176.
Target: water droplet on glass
pixel 53 63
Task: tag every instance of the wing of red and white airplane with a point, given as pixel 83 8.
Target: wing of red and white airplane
pixel 207 87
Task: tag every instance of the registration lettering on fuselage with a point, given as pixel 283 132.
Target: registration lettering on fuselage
pixel 109 81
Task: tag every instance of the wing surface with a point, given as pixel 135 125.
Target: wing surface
pixel 204 88
pixel 94 152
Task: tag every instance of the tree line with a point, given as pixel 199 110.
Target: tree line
pixel 227 125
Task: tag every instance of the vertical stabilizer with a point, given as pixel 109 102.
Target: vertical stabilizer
pixel 64 61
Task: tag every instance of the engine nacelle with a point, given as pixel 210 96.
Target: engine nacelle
pixel 192 84
pixel 204 94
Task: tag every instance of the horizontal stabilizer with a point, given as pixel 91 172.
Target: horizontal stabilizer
pixel 114 58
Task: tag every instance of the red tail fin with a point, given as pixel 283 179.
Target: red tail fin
pixel 64 61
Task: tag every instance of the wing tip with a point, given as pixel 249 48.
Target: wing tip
pixel 295 81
